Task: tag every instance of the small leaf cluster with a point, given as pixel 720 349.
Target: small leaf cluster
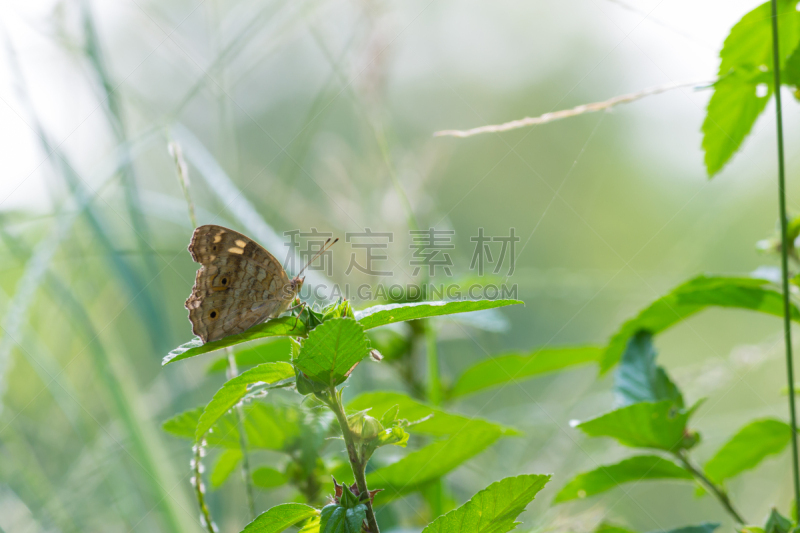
pixel 323 347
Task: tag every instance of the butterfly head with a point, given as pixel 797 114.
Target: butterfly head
pixel 296 284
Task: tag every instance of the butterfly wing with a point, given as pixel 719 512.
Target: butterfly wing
pixel 239 284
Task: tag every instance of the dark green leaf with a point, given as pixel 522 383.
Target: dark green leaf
pixel 659 425
pixel 236 388
pixel 440 424
pixel 429 463
pixel 607 477
pixel 279 349
pixel 706 527
pixel 639 379
pixel 777 523
pixel 380 315
pixel 270 427
pixel 267 478
pixel 276 327
pixel 224 467
pixel 516 367
pixel 332 350
pixel 745 61
pixel 338 519
pixel 691 297
pixel 278 518
pixel 492 510
pixel 751 445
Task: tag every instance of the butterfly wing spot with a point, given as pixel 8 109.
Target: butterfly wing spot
pixel 218 237
pixel 240 243
pixel 213 314
pixel 235 250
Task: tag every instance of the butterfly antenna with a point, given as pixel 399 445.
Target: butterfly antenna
pixel 324 248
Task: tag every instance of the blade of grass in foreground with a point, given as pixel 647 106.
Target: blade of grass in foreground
pixel 116 119
pixel 84 196
pixel 79 203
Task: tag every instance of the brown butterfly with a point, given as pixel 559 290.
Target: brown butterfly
pixel 239 284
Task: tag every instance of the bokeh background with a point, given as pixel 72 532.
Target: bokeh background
pixel 321 114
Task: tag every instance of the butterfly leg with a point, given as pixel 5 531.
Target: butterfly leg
pixel 302 307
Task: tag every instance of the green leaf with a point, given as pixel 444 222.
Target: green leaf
pixel 332 350
pixel 659 425
pixel 276 327
pixel 380 315
pixel 224 467
pixel 791 72
pixel 312 526
pixel 749 43
pixel 745 61
pixel 606 527
pixel 706 527
pixel 279 349
pixel 516 367
pixel 440 424
pixel 691 297
pixel 433 461
pixel 731 114
pixel 278 518
pixel 492 510
pixel 268 426
pixel 640 468
pixel 236 388
pixel 267 478
pixel 338 519
pixel 639 379
pixel 751 445
pixel 777 523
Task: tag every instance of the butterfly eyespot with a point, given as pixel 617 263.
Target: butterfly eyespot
pixel 224 281
pixel 213 314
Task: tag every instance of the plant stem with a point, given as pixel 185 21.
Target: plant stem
pixel 199 490
pixel 357 462
pixel 434 383
pixel 248 480
pixel 787 324
pixel 717 491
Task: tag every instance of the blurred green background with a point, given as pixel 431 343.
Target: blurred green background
pixel 307 111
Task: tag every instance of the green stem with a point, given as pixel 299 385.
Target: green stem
pixel 787 329
pixel 718 492
pixel 246 476
pixel 199 490
pixel 434 383
pixel 357 461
